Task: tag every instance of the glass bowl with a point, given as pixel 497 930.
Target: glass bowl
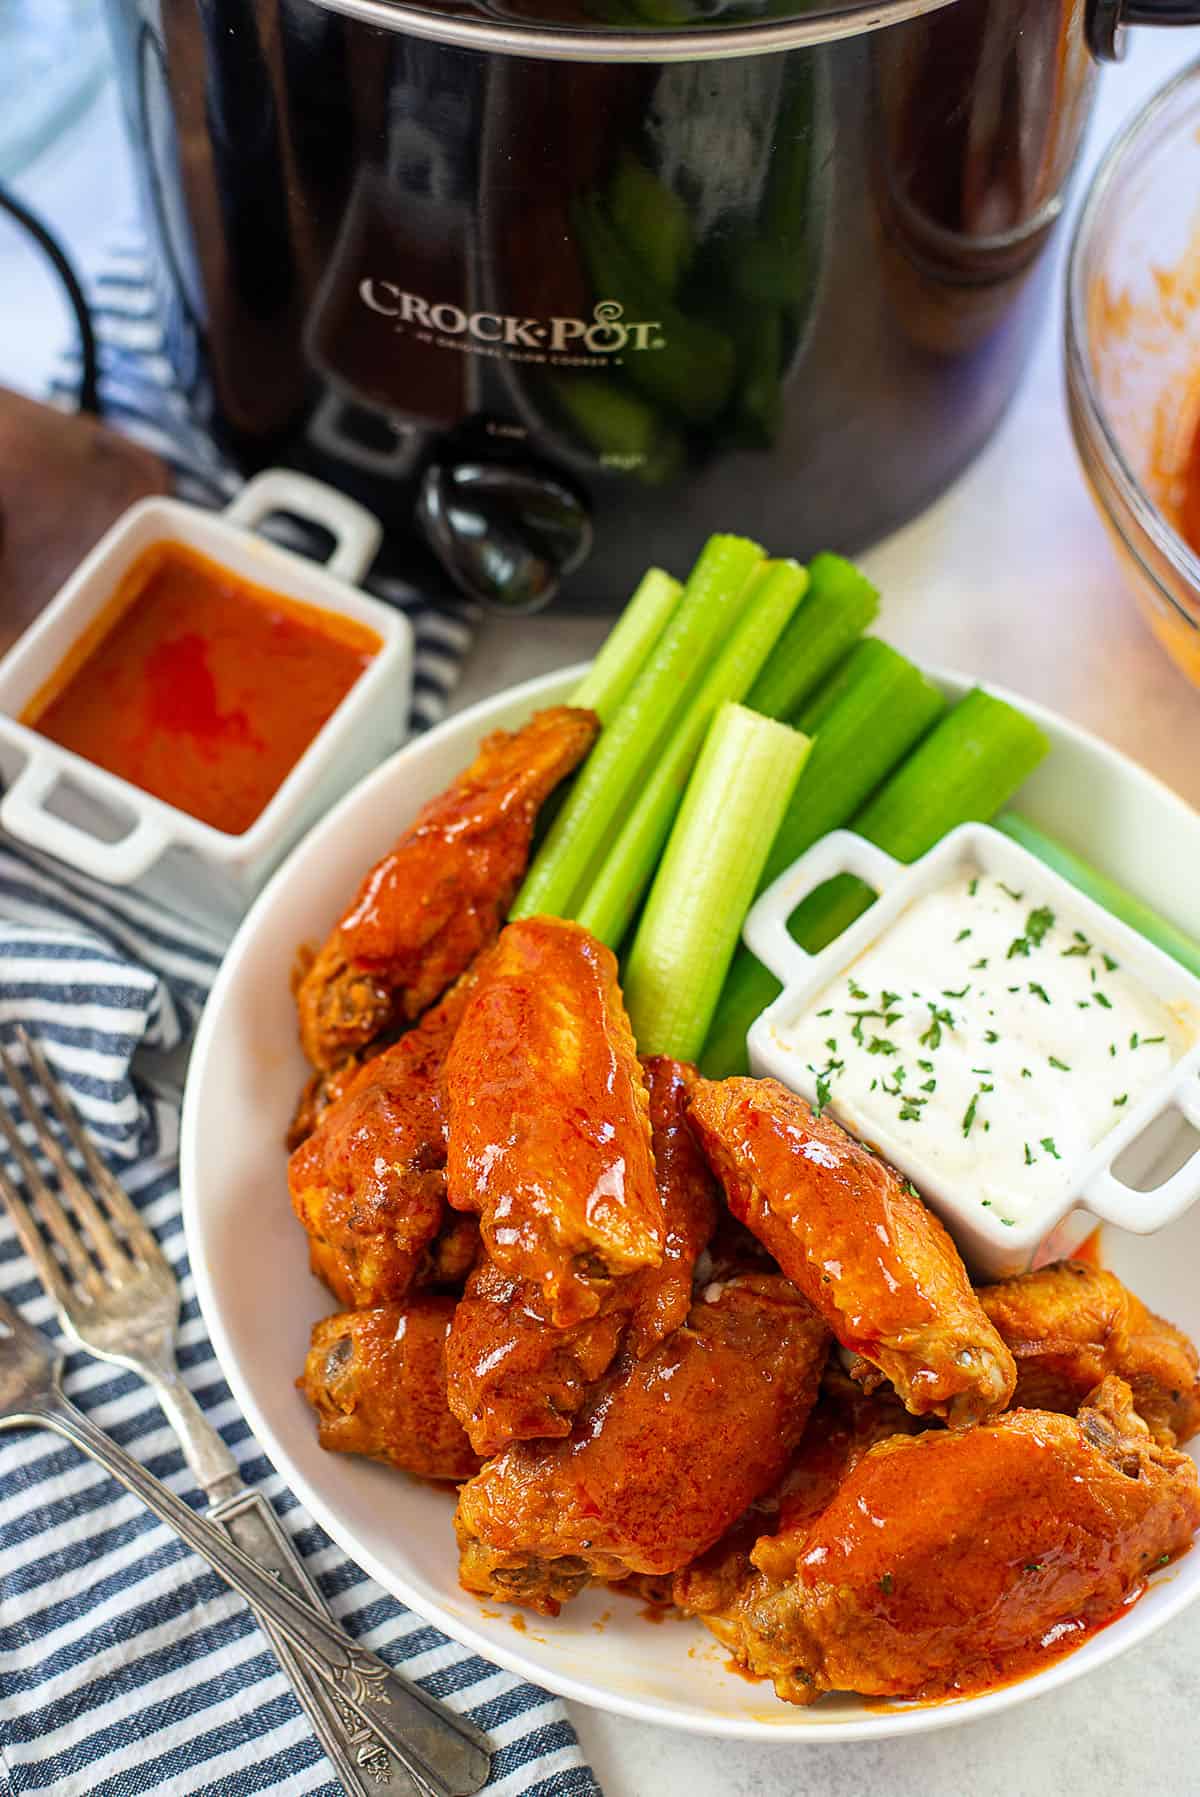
pixel 1133 356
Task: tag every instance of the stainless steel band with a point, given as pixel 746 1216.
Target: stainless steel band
pixel 546 44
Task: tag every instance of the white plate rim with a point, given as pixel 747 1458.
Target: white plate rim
pixel 793 1727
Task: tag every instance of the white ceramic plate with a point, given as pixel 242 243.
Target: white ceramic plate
pixel 260 1302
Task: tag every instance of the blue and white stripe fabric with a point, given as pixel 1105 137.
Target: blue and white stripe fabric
pixel 125 1665
pixel 140 396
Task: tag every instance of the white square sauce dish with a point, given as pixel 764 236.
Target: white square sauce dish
pixel 997 1036
pixel 115 830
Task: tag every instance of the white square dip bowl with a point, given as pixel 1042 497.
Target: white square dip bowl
pixel 108 828
pixel 992 1247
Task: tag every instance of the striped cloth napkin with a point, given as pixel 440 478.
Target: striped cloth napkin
pixel 125 1665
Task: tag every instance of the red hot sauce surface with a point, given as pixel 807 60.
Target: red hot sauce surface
pixel 200 687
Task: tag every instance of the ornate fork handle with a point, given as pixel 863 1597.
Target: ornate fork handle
pixel 443 1758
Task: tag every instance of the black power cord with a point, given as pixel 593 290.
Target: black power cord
pixel 89 391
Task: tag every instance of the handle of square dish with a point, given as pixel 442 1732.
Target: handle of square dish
pixel 765 931
pixel 356 532
pixel 1142 1211
pixel 23 815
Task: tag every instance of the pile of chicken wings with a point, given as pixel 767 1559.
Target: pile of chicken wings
pixel 682 1335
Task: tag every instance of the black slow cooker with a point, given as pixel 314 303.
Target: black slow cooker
pixel 559 286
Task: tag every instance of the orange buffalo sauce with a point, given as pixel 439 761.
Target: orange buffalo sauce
pixel 200 687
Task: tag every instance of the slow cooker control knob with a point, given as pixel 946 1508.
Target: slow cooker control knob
pixel 506 534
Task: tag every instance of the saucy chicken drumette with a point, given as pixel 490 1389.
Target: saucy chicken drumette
pixel 860 1245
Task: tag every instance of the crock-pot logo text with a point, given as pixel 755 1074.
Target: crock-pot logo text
pixel 607 333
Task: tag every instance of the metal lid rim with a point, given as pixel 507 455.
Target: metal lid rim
pixel 565 44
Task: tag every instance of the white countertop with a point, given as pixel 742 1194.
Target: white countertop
pixel 1010 577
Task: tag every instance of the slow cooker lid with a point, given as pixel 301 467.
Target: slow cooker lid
pixel 632 30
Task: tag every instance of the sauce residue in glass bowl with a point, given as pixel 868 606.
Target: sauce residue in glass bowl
pixel 200 687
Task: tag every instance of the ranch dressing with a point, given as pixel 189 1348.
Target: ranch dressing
pixel 991 1039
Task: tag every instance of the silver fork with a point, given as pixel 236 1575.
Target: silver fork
pixel 120 1303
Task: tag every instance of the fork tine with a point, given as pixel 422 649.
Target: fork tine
pixel 72 1189
pixel 31 1239
pixel 121 1207
pixel 12 1319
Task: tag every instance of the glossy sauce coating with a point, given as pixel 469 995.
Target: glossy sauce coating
pixel 439 896
pixel 866 1253
pixel 511 1375
pixel 668 1453
pixel 200 687
pixel 955 1560
pixel 377 1380
pixel 1068 1325
pixel 369 1184
pixel 549 1125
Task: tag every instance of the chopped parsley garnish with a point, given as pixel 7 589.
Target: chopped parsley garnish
pixel 1061 1065
pixel 887 1584
pixel 856 991
pixel 1100 999
pixel 1109 962
pixel 990 1036
pixel 973 888
pixel 962 935
pixel 1048 1145
pixel 925 1066
pixel 823 1094
pixel 1025 1073
pixel 910 1109
pixel 1028 1155
pixel 827 1012
pixel 930 1085
pixel 1123 1099
pixel 1147 1040
pixel 1037 926
pixel 961 993
pixel 831 1044
pixel 1033 1566
pixel 880 1045
pixel 1081 945
pixel 888 999
pixel 1039 992
pixel 1016 897
pixel 931 1037
pixel 1112 1049
pixel 969 1115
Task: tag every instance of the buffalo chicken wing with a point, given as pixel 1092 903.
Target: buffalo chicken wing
pixel 377 1380
pixel 426 910
pixel 669 1451
pixel 859 1244
pixel 511 1375
pixel 369 1184
pixel 1068 1325
pixel 549 1124
pixel 950 1561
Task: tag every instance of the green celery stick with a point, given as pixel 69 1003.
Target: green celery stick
pixel 623 429
pixel 692 372
pixel 706 880
pixel 628 644
pixel 651 220
pixel 1134 911
pixel 963 771
pixel 611 899
pixel 864 721
pixel 841 603
pixel 712 598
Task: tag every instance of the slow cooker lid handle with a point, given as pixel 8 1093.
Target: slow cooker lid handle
pixel 1109 19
